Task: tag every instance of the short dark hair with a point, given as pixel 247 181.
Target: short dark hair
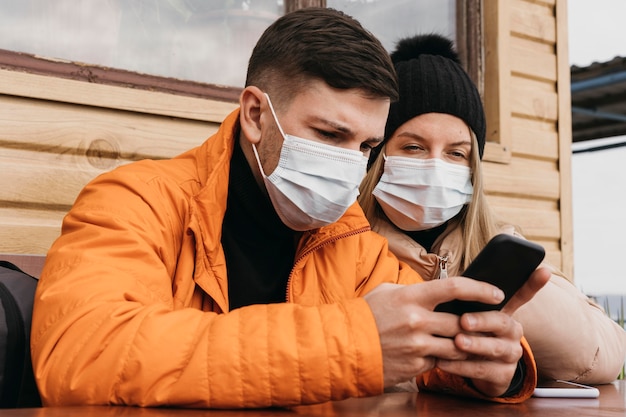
pixel 325 44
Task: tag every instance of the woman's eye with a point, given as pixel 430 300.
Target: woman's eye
pixel 413 148
pixel 459 155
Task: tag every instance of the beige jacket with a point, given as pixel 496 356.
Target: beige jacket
pixel 571 336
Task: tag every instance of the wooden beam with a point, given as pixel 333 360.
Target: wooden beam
pixel 565 138
pixel 497 96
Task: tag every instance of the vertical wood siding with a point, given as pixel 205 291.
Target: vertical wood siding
pixel 526 41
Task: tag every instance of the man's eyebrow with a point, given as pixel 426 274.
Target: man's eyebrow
pixel 337 126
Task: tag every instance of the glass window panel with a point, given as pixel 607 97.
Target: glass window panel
pixel 391 20
pixel 199 40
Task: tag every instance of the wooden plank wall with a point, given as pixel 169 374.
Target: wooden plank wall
pixel 526 41
pixel 57 134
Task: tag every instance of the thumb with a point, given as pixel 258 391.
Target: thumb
pixel 537 280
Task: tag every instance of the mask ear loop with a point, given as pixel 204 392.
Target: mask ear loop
pixel 258 160
pixel 256 153
pixel 274 114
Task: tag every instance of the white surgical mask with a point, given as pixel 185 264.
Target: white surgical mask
pixel 419 194
pixel 314 183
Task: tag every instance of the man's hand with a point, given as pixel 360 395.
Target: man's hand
pixel 482 346
pixel 492 342
pixel 411 333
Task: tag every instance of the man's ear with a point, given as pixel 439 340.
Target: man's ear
pixel 250 102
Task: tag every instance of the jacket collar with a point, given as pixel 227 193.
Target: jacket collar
pixel 427 264
pixel 207 209
pixel 353 220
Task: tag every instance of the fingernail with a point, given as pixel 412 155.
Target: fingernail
pixel 498 294
pixel 465 341
pixel 471 321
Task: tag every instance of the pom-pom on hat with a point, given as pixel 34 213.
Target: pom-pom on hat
pixel 432 80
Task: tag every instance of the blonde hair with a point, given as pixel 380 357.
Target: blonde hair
pixel 477 222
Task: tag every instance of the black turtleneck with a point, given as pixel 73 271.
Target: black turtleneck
pixel 426 238
pixel 259 248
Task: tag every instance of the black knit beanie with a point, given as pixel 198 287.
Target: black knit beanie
pixel 432 80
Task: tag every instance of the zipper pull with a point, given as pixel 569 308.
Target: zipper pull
pixel 443 266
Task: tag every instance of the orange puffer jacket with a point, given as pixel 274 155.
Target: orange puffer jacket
pixel 132 305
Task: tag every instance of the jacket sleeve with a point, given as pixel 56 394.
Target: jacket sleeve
pixel 437 380
pixel 140 352
pixel 585 344
pixel 109 327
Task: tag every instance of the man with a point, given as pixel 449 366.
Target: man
pixel 233 275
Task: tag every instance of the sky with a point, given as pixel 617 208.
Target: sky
pixel 596 30
pixel 597 33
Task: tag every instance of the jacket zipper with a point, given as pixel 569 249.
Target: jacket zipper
pixel 318 246
pixel 443 266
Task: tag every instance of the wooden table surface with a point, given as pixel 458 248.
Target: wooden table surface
pixel 611 403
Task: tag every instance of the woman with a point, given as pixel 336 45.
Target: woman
pixel 424 192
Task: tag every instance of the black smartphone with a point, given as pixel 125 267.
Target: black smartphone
pixel 507 262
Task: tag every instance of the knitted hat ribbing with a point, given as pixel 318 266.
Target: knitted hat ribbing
pixel 432 80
